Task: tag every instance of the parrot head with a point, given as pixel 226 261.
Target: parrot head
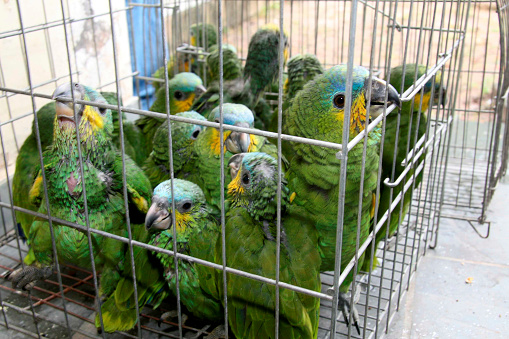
pixel 183 137
pixel 254 183
pixel 301 70
pixel 411 71
pixel 197 34
pixel 234 115
pixel 183 88
pixel 94 123
pixel 270 27
pixel 190 207
pixel 319 108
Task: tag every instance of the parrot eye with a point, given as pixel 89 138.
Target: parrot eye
pixel 187 206
pixel 339 100
pixel 102 110
pixel 195 134
pixel 178 95
pixel 245 179
pixel 76 85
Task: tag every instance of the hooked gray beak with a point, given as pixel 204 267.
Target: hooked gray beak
pixel 234 164
pixel 65 110
pixel 200 89
pixel 378 92
pixel 158 217
pixel 238 142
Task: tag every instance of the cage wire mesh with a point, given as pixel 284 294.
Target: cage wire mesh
pixel 46 43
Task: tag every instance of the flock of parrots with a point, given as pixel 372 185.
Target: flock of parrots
pixel 190 205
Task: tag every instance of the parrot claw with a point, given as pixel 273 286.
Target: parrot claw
pixel 217 333
pixel 25 278
pixel 346 308
pixel 169 315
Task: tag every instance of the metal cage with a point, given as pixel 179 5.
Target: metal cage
pixel 117 45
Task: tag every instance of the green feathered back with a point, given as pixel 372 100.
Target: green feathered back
pixel 28 160
pixel 119 310
pixel 203 35
pixel 232 67
pixel 260 71
pixel 301 70
pixel 262 65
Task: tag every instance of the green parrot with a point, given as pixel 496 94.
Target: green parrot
pixel 232 66
pixel 207 148
pixel 28 160
pixel 157 166
pixel 250 233
pixel 301 70
pixel 262 63
pixel 412 121
pixel 183 89
pixel 102 170
pixel 261 70
pixel 317 112
pixel 203 35
pixel 196 230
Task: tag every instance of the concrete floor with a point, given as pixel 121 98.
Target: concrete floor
pixel 440 303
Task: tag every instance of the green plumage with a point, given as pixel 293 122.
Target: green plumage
pixel 261 70
pixel 157 166
pixel 183 88
pixel 26 163
pixel 196 230
pixel 183 62
pixel 318 112
pixel 301 70
pixel 203 35
pixel 28 160
pixel 262 64
pixel 232 67
pixel 119 309
pixel 132 134
pixel 412 126
pixel 102 170
pixel 314 171
pixel 176 64
pixel 207 148
pixel 251 247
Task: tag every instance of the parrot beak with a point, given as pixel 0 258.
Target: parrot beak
pixel 234 164
pixel 65 110
pixel 238 142
pixel 200 89
pixel 158 217
pixel 378 91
